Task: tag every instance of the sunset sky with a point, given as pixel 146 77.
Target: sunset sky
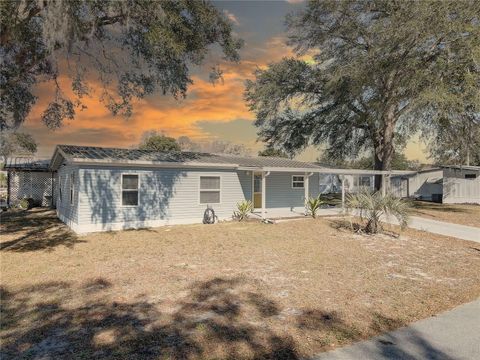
pixel 208 112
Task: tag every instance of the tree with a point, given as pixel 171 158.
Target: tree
pixel 457 142
pixel 152 140
pixel 16 143
pixel 128 49
pixel 399 162
pixel 372 84
pixel 270 151
pixel 215 146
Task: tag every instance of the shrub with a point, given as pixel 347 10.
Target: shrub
pixel 243 209
pixel 372 206
pixel 312 205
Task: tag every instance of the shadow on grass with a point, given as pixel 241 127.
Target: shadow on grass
pixel 216 319
pixel 36 229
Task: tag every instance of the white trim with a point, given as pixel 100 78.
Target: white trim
pixel 71 189
pixel 131 190
pixel 209 190
pixel 298 181
pixel 253 188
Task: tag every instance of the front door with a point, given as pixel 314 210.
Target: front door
pixel 257 191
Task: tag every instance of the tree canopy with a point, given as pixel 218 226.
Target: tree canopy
pixel 152 140
pixel 270 151
pixel 118 51
pixel 373 79
pixel 16 143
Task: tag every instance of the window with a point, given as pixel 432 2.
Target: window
pixel 470 176
pixel 72 187
pixel 209 189
pixel 298 181
pixel 364 181
pixel 130 190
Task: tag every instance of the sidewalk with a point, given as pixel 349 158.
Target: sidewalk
pixel 451 335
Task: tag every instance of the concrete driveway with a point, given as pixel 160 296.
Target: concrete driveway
pixel 453 335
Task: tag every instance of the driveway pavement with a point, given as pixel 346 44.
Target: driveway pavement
pixel 443 228
pixel 453 335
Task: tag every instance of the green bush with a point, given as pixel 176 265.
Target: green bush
pixel 312 205
pixel 243 209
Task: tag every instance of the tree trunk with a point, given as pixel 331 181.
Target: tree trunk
pixel 383 147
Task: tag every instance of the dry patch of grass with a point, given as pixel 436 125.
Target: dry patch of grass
pixel 462 214
pixel 231 290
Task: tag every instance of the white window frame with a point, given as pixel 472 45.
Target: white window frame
pixel 209 190
pixel 71 192
pixel 129 190
pixel 298 181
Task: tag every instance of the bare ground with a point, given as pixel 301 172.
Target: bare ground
pixel 463 214
pixel 232 290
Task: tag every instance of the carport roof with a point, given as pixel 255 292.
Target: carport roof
pixel 26 164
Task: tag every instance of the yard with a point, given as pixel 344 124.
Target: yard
pixel 231 290
pixel 463 214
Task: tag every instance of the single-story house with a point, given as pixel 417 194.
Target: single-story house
pixel 445 184
pixel 29 178
pixel 101 189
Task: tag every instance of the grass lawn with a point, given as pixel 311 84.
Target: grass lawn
pixel 454 213
pixel 230 290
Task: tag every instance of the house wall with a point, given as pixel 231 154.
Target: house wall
pixel 30 184
pixel 280 193
pixel 166 196
pixel 422 185
pixel 457 189
pixel 66 211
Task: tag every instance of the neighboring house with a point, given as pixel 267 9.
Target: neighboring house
pixel 29 178
pixel 446 184
pixel 102 189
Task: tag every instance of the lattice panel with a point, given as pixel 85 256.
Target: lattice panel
pixel 35 185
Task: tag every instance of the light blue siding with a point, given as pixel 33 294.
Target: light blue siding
pixel 66 210
pixel 280 193
pixel 164 194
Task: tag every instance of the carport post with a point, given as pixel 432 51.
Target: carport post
pixel 384 183
pixel 307 189
pixel 264 192
pixel 343 192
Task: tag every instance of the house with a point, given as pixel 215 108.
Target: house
pixel 100 189
pixel 445 184
pixel 29 178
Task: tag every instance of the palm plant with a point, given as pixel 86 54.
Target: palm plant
pixel 243 209
pixel 373 206
pixel 312 205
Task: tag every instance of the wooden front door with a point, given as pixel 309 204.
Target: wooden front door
pixel 257 191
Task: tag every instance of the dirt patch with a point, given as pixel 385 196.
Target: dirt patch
pixel 454 213
pixel 232 290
